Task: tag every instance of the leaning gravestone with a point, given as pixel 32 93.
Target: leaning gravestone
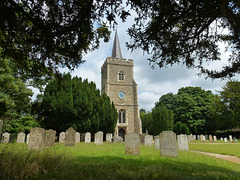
pixel 215 138
pixel 156 143
pixel 142 138
pixel 36 140
pixel 210 138
pixel 182 142
pixel 98 138
pixel 62 137
pixel 109 137
pixel 77 137
pixel 70 137
pixel 230 138
pixel 49 138
pixel 132 144
pixel 87 137
pixel 5 137
pixel 28 136
pixel 168 144
pixel 21 137
pixel 148 140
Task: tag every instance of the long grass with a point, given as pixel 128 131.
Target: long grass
pixel 88 161
pixel 226 148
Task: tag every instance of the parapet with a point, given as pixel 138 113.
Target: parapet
pixel 111 60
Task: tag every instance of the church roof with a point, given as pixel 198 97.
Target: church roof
pixel 116 51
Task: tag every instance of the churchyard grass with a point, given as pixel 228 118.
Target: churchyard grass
pixel 223 148
pixel 108 161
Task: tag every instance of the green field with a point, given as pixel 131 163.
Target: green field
pixel 223 148
pixel 88 161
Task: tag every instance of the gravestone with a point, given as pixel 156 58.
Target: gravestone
pixel 1 127
pixel 70 137
pixel 230 138
pixel 225 140
pixel 62 137
pixel 206 137
pixel 182 142
pixel 215 138
pixel 148 140
pixel 142 138
pixel 156 143
pixel 201 137
pixel 98 138
pixel 5 137
pixel 27 140
pixel 221 139
pixel 235 140
pixel 87 137
pixel 132 144
pixel 77 137
pixel 49 138
pixel 109 137
pixel 198 137
pixel 194 137
pixel 36 140
pixel 190 138
pixel 168 144
pixel 117 139
pixel 210 138
pixel 21 137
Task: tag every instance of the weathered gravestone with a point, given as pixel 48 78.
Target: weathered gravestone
pixel 221 139
pixel 230 138
pixel 21 137
pixel 142 138
pixel 49 138
pixel 194 137
pixel 62 137
pixel 87 137
pixel 77 137
pixel 190 138
pixel 70 137
pixel 5 137
pixel 132 144
pixel 215 138
pixel 109 137
pixel 28 136
pixel 210 138
pixel 168 144
pixel 117 139
pixel 204 138
pixel 36 140
pixel 182 142
pixel 98 138
pixel 1 127
pixel 156 143
pixel 225 140
pixel 148 140
pixel 201 137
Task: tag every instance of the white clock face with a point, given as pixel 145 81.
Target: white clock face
pixel 121 95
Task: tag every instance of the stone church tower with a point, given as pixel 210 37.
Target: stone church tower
pixel 118 83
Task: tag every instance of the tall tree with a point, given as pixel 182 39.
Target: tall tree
pixel 226 106
pixel 188 32
pixel 163 119
pixel 147 122
pixel 71 102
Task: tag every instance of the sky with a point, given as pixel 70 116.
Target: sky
pixel 152 83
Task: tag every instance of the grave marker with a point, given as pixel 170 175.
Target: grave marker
pixel 87 137
pixel 62 137
pixel 148 140
pixel 70 137
pixel 21 137
pixel 77 137
pixel 49 138
pixel 109 137
pixel 5 137
pixel 98 138
pixel 182 142
pixel 168 144
pixel 36 140
pixel 132 144
pixel 156 143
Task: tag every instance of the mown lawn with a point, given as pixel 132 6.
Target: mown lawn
pixel 223 148
pixel 88 161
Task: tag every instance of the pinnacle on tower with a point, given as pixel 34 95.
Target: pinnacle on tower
pixel 116 51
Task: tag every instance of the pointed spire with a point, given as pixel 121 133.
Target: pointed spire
pixel 116 51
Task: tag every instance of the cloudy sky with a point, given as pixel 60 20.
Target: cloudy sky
pixel 152 83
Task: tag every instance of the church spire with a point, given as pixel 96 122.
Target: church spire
pixel 116 51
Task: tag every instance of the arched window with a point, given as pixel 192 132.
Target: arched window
pixel 122 116
pixel 120 76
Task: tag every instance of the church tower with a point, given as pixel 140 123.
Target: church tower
pixel 118 83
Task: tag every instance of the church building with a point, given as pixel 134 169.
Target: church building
pixel 118 83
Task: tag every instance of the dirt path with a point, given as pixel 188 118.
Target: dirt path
pixel 221 156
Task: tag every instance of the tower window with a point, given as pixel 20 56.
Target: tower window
pixel 121 77
pixel 122 116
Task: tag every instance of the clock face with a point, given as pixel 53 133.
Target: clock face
pixel 121 95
